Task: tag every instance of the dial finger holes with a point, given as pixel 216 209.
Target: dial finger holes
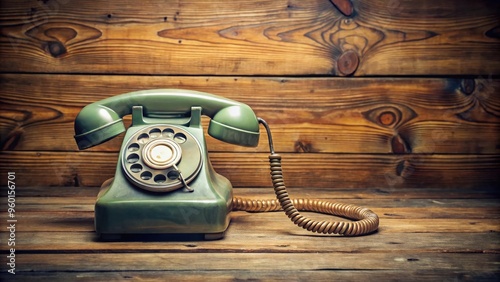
pixel 136 168
pixel 180 138
pixel 133 158
pixel 152 153
pixel 143 138
pixel 160 178
pixel 155 133
pixel 168 132
pixel 173 174
pixel 133 147
pixel 146 175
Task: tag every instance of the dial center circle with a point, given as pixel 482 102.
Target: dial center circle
pixel 161 153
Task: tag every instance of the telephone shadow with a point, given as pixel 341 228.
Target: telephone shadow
pixel 165 237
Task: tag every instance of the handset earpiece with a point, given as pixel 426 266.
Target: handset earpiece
pixel 96 124
pixel 236 125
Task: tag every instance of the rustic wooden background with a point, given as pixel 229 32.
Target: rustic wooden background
pixel 388 94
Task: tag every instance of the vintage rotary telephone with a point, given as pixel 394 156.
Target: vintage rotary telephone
pixel 164 181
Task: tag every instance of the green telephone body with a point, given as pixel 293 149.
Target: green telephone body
pixel 164 181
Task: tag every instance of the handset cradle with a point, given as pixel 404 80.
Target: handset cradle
pixel 164 182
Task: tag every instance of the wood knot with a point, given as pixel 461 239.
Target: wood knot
pixel 387 118
pixel 405 169
pixel 55 37
pixel 493 33
pixel 399 145
pixel 12 140
pixel 467 86
pixel 55 48
pixel 348 63
pixel 344 6
pixel 304 147
pixel 390 116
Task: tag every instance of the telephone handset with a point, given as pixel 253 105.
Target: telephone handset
pixel 164 182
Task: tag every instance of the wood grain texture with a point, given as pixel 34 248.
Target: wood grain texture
pixel 272 275
pixel 246 38
pixel 276 222
pixel 410 130
pixel 85 241
pixel 306 115
pixel 438 234
pixel 431 194
pixel 303 262
pixel 252 169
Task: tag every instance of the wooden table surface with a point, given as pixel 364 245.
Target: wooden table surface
pixel 425 234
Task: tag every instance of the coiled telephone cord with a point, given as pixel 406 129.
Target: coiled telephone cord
pixel 366 220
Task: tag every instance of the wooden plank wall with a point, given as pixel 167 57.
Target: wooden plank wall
pixel 378 93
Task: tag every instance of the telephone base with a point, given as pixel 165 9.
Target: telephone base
pixel 125 213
